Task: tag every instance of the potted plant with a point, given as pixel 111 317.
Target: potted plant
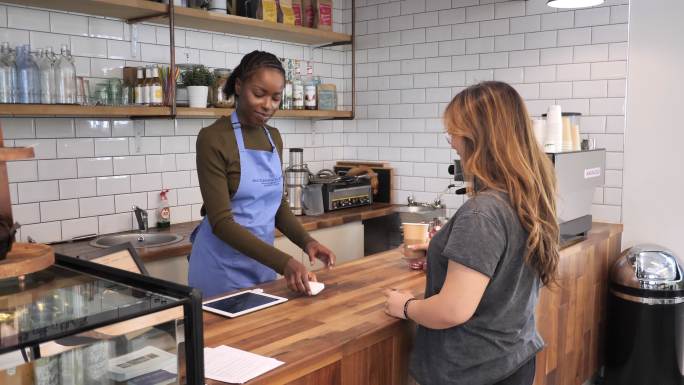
pixel 197 80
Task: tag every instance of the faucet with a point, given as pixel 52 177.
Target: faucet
pixel 141 217
pixel 436 204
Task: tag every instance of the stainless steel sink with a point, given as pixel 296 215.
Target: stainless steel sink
pixel 415 209
pixel 139 240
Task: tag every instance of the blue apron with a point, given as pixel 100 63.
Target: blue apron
pixel 215 267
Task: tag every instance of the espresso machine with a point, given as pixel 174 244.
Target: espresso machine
pixel 578 174
pixel 296 179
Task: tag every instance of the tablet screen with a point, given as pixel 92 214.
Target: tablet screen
pixel 240 302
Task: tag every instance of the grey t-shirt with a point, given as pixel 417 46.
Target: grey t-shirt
pixel 484 235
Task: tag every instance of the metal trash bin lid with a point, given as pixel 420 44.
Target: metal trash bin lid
pixel 650 269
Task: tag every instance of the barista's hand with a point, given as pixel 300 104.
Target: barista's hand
pixel 297 277
pixel 316 250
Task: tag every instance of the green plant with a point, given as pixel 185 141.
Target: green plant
pixel 198 76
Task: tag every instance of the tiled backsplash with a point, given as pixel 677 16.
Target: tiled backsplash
pixel 88 173
pixel 414 56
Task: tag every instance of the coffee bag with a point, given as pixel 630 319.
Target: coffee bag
pixel 323 14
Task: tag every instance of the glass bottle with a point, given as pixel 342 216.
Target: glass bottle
pixel 310 96
pixel 140 80
pixel 297 89
pixel 155 88
pixel 28 76
pixel 147 87
pixel 6 74
pixel 47 77
pixel 282 93
pixel 65 78
pixel 52 57
pixel 287 91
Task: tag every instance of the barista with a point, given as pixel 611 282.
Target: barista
pixel 240 175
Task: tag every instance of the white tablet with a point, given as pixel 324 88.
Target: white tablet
pixel 235 305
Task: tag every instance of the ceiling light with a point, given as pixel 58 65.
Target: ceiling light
pixel 573 3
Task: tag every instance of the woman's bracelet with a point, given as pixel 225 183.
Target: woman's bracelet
pixel 406 307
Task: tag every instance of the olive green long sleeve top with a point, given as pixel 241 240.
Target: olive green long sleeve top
pixel 218 170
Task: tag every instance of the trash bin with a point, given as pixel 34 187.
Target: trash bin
pixel 645 320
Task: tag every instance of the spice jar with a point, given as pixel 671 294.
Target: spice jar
pixel 218 96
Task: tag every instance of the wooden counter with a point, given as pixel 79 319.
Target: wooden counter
pixel 310 223
pixel 343 337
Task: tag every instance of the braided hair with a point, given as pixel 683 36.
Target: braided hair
pixel 248 65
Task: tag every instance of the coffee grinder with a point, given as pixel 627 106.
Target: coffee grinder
pixel 296 178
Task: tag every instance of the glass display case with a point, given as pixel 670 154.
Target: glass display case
pixel 82 323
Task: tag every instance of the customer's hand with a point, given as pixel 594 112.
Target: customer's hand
pixel 419 246
pixel 395 302
pixel 315 250
pixel 297 277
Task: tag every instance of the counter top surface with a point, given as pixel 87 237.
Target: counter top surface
pixel 310 223
pixel 308 333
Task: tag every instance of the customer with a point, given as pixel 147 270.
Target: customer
pixel 485 267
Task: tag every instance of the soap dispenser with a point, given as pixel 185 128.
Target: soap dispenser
pixel 164 211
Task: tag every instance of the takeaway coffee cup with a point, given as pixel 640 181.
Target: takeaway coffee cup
pixel 415 234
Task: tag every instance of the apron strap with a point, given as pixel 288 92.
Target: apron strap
pixel 238 133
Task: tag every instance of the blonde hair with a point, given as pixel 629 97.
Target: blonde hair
pixel 499 152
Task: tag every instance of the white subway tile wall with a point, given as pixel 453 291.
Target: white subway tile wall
pixel 412 57
pixel 575 58
pixel 88 173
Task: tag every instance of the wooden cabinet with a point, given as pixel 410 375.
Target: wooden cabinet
pixel 343 337
pixel 571 317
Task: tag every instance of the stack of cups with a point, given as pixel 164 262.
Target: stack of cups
pixel 553 141
pixel 539 129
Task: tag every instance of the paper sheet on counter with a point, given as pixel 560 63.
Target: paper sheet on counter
pixel 235 366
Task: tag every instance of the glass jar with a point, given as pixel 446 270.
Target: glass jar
pixel 218 96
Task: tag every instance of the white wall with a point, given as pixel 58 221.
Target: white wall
pixel 88 172
pixel 654 160
pixel 414 56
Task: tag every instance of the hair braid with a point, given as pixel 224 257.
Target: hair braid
pixel 248 65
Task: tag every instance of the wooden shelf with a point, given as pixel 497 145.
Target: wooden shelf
pixel 76 111
pixel 238 25
pixel 185 112
pixel 121 9
pixel 193 18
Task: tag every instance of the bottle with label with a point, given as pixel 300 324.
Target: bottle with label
pixel 287 91
pixel 147 87
pixel 164 215
pixel 156 88
pixel 139 83
pixel 297 89
pixel 310 97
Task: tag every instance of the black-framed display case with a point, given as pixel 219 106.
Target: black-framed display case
pixel 82 323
